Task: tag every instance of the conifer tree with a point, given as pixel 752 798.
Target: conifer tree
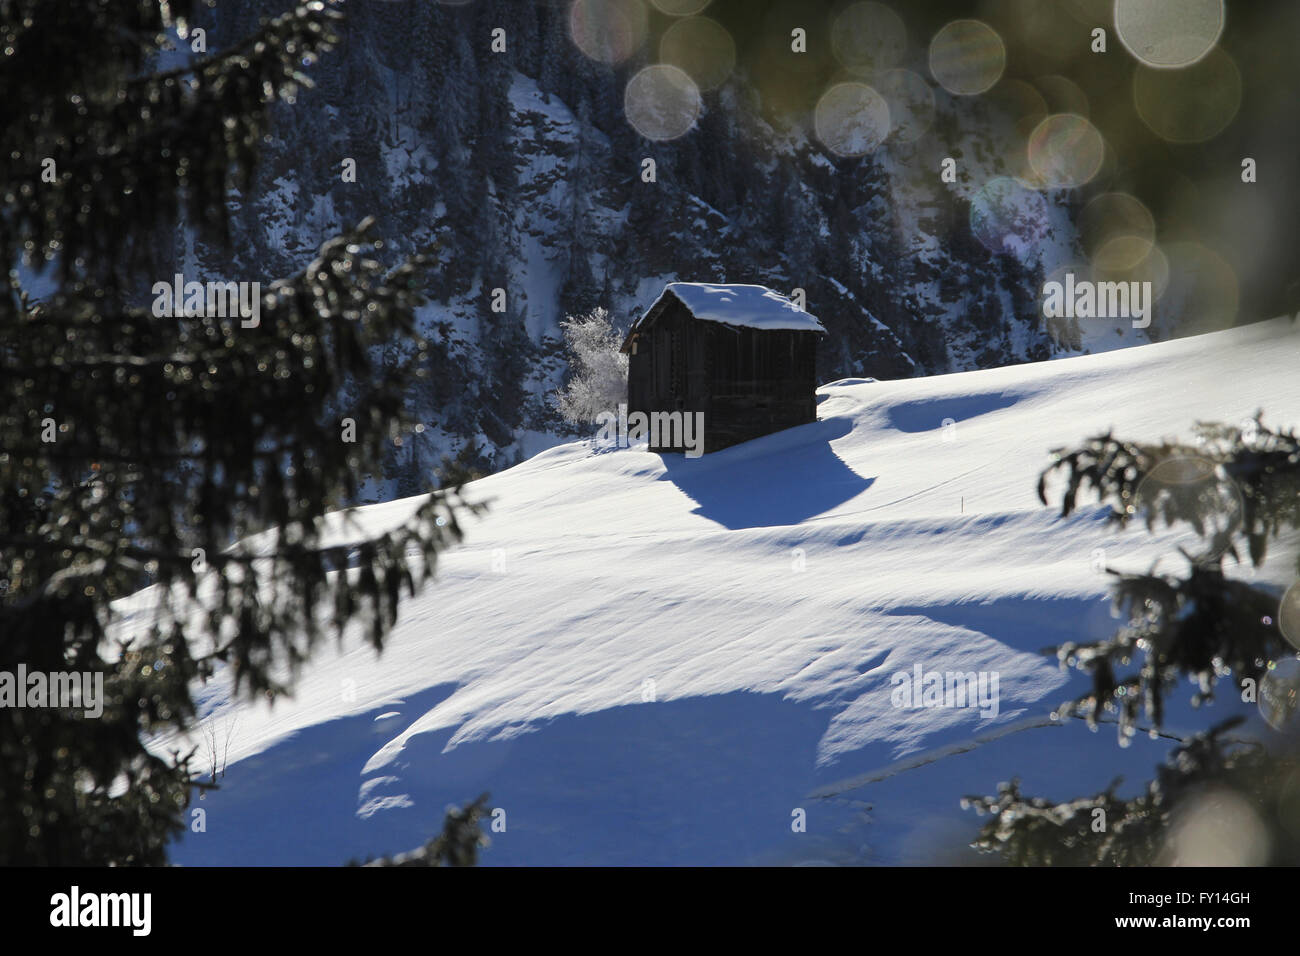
pixel 1238 489
pixel 140 448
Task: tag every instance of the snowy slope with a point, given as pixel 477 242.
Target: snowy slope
pixel 658 660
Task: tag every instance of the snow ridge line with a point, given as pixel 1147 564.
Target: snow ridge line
pixel 930 756
pixel 964 746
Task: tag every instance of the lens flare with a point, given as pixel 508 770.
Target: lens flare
pixel 1288 615
pixel 911 104
pixel 1008 216
pixel 661 102
pixel 851 119
pixel 1191 485
pixel 1065 150
pixel 967 57
pixel 1120 254
pixel 1168 34
pixel 1216 828
pixel 1018 108
pixel 868 37
pixel 1191 105
pixel 1063 95
pixel 681 8
pixel 1133 259
pixel 700 47
pixel 1021 103
pixel 1279 694
pixel 1116 231
pixel 609 31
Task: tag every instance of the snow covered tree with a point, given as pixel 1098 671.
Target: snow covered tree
pixel 1240 791
pixel 141 445
pixel 1238 489
pixel 599 370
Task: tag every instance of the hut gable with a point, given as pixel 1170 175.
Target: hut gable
pixel 740 358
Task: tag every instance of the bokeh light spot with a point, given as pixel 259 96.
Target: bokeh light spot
pixel 1063 95
pixel 1110 218
pixel 851 119
pixel 1279 694
pixel 661 102
pixel 1169 33
pixel 1022 104
pixel 1191 105
pixel 1216 828
pixel 1191 485
pixel 1132 259
pixel 911 104
pixel 1008 216
pixel 1065 150
pixel 1288 615
pixel 609 31
pixel 967 57
pixel 700 47
pixel 681 8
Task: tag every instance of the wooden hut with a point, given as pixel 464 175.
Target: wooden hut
pixel 742 356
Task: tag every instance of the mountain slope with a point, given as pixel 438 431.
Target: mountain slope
pixel 524 169
pixel 651 659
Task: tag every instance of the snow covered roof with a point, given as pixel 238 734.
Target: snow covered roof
pixel 750 306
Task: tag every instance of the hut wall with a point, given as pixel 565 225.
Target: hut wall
pixel 747 382
pixel 760 381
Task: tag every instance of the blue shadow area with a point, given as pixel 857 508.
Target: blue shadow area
pixel 1035 625
pixel 928 414
pixel 701 781
pixel 1026 624
pixel 704 781
pixel 788 477
pixel 296 802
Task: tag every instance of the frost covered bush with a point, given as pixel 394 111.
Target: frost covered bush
pixel 599 380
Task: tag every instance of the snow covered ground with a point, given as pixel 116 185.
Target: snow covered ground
pixel 658 660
